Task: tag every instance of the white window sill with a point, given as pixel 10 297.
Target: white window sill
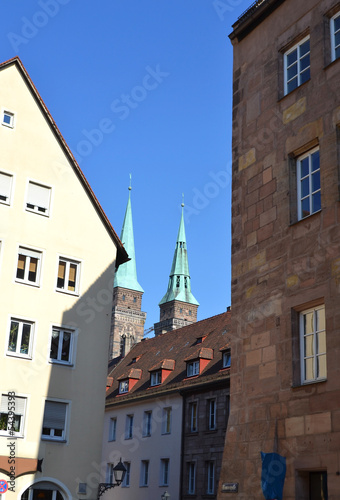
pixel 53 440
pixel 67 292
pixel 58 362
pixel 32 211
pixel 18 355
pixel 29 283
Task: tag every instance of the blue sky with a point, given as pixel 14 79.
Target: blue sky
pixel 143 87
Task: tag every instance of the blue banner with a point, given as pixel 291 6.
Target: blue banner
pixel 273 475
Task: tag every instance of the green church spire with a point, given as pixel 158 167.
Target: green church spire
pixel 126 275
pixel 179 287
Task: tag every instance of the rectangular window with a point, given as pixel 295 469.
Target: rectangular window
pixel 20 338
pixel 313 345
pixel 193 417
pixel 212 414
pixel 156 378
pixel 123 386
pixel 28 266
pixel 166 423
pixel 68 275
pixel 297 65
pixel 226 359
pixel 147 423
pixel 8 119
pixel 6 181
pixel 164 476
pixel 144 478
pixel 335 36
pixel 129 427
pixel 126 482
pixel 112 429
pixel 191 478
pixel 12 415
pixel 210 478
pixel 38 198
pixel 193 368
pixel 54 421
pixel 110 478
pixel 61 345
pixel 308 183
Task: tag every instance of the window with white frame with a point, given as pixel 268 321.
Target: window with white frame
pixel 123 386
pixel 61 345
pixel 54 420
pixel 110 478
pixel 12 415
pixel 68 275
pixel 144 475
pixel 166 420
pixel 193 416
pixel 297 65
pixel 7 118
pixel 47 490
pixel 28 266
pixel 126 481
pixel 335 36
pixel 20 338
pixel 147 417
pixel 38 198
pixel 313 344
pixel 308 183
pixel 193 368
pixel 6 182
pixel 164 472
pixel 226 359
pixel 212 414
pixel 191 478
pixel 156 377
pixel 210 478
pixel 129 427
pixel 113 429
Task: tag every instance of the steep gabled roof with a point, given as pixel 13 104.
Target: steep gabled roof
pixel 122 255
pixel 177 347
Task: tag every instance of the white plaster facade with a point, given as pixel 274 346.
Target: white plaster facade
pixel 156 448
pixel 74 228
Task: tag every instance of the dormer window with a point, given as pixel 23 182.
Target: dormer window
pixel 156 378
pixel 226 358
pixel 123 386
pixel 193 368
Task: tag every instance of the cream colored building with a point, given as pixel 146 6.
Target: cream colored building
pixel 58 254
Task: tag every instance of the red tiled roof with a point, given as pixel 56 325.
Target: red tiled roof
pixel 132 373
pixel 165 364
pixel 177 346
pixel 122 255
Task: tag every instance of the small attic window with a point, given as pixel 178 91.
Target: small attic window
pixel 226 358
pixel 123 386
pixel 189 313
pixel 134 299
pixel 185 282
pixel 178 279
pixel 193 368
pixel 123 297
pixel 199 340
pixel 8 119
pixel 156 378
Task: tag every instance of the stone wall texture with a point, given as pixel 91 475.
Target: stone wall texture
pixel 281 266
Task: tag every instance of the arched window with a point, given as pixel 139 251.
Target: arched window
pixel 44 490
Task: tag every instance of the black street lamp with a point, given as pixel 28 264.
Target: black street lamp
pixel 119 472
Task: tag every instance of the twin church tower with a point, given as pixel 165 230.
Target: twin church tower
pixel 178 307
